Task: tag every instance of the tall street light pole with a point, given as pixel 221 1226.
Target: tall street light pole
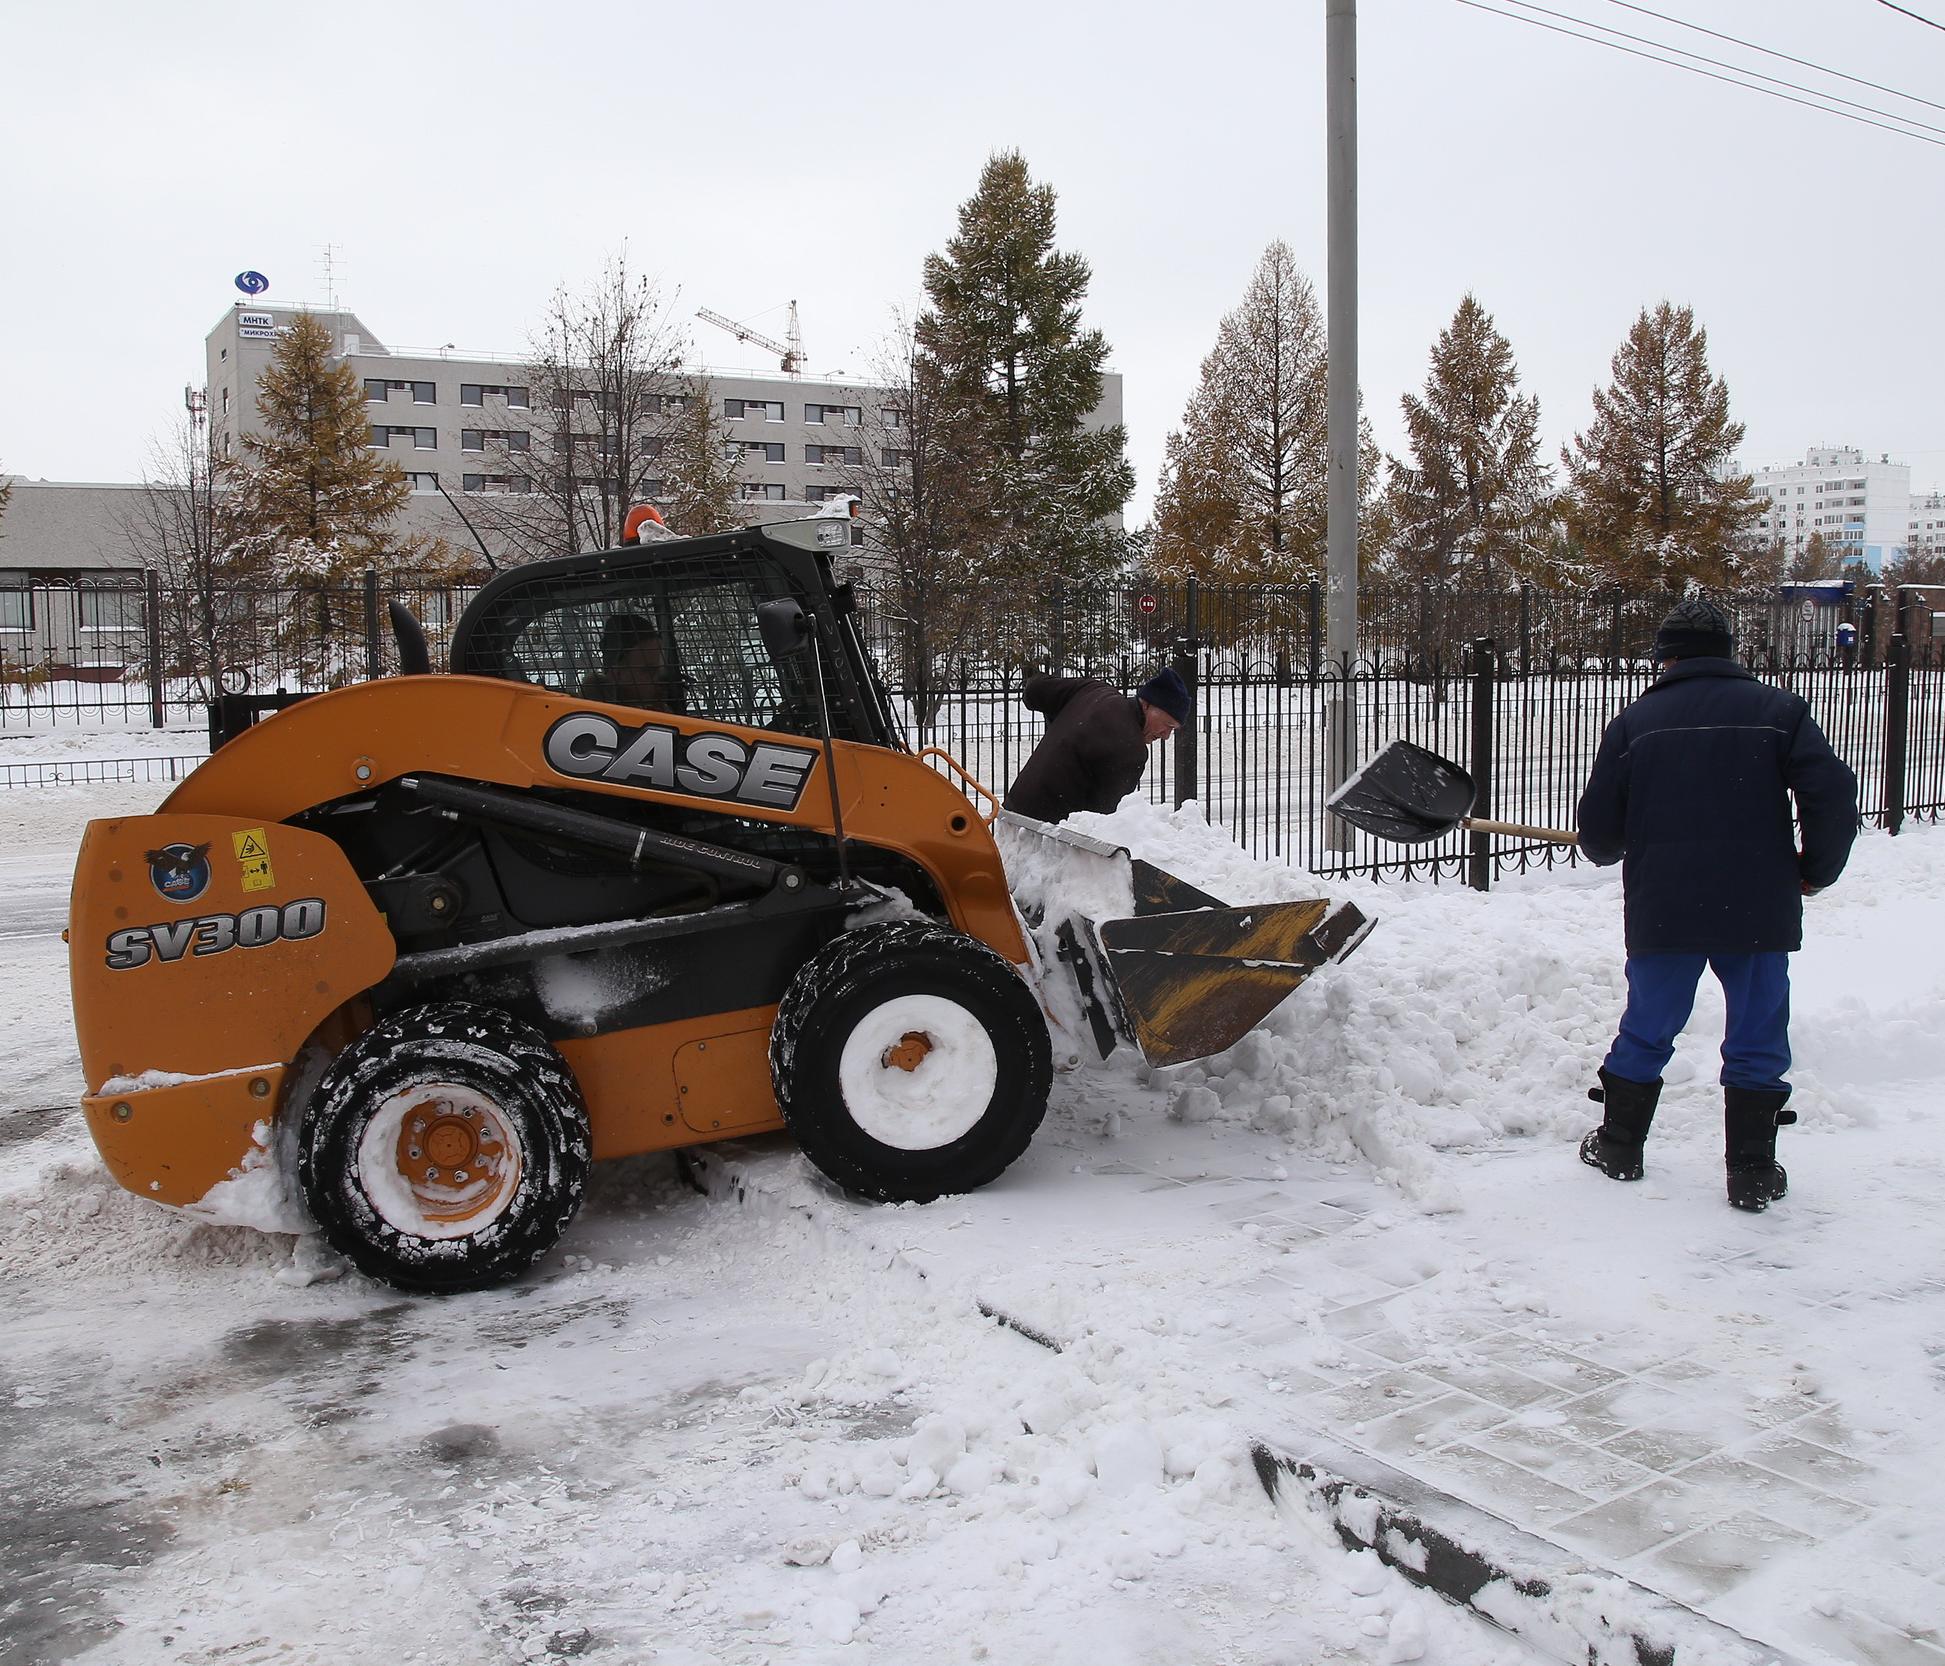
pixel 1340 540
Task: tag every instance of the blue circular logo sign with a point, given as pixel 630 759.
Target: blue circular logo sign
pixel 179 873
pixel 252 283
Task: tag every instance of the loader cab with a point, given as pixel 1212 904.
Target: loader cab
pixel 673 626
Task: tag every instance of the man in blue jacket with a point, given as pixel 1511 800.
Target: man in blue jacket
pixel 1691 793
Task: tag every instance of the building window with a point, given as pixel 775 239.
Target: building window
pixel 847 415
pixel 653 489
pixel 755 493
pixel 495 483
pixel 423 439
pixel 823 494
pixel 16 608
pixel 474 393
pixel 894 417
pixel 659 404
pixel 761 410
pixel 820 455
pixel 478 439
pixel 762 451
pixel 423 482
pixel 381 388
pixel 108 610
pixel 226 399
pixel 895 459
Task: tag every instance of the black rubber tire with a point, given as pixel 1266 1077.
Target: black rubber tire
pixel 494 1055
pixel 853 975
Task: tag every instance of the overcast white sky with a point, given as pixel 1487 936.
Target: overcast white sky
pixel 465 159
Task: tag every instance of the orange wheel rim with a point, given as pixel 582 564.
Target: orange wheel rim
pixel 908 1052
pixel 458 1156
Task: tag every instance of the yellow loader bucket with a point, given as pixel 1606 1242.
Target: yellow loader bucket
pixel 1149 958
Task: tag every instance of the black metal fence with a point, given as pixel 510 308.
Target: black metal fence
pixel 1517 683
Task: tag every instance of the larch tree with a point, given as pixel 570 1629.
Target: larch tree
pixel 701 477
pixel 1652 489
pixel 320 497
pixel 1026 490
pixel 1475 499
pixel 320 504
pixel 1245 479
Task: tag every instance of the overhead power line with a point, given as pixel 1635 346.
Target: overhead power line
pixel 1728 80
pixel 1719 63
pixel 1771 52
pixel 1913 16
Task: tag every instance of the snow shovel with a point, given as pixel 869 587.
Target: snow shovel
pixel 1408 795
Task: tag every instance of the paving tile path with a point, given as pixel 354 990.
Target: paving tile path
pixel 1713 1458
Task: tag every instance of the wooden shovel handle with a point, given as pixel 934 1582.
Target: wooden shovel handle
pixel 1519 830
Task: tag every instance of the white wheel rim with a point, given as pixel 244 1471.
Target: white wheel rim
pixel 418 1188
pixel 918 1072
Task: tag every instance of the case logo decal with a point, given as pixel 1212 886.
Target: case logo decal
pixel 179 873
pixel 587 745
pixel 170 940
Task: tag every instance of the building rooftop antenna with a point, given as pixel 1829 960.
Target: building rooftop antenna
pixel 330 257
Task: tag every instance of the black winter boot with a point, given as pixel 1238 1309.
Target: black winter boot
pixel 1615 1147
pixel 1750 1118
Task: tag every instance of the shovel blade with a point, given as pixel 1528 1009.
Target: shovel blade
pixel 1406 794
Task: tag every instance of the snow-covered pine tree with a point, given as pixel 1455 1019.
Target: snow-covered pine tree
pixel 1244 487
pixel 700 476
pixel 1475 499
pixel 1026 491
pixel 1652 492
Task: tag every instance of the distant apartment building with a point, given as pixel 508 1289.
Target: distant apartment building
pixel 464 424
pixel 1925 535
pixel 1863 509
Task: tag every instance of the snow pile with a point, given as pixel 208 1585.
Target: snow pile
pixel 1467 1020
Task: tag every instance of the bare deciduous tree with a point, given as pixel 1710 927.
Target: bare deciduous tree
pixel 194 528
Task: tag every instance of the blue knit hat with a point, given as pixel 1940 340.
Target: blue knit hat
pixel 1166 691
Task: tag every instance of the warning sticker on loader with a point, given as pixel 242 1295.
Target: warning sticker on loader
pixel 252 849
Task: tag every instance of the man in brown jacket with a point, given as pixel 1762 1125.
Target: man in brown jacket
pixel 1096 745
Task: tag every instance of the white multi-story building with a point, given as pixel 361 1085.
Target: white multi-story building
pixel 463 424
pixel 1926 534
pixel 1863 509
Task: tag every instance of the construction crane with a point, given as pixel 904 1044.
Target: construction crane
pixel 790 350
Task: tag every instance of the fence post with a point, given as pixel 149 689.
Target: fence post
pixel 1185 737
pixel 1484 663
pixel 1897 719
pixel 373 667
pixel 1526 628
pixel 1060 626
pixel 158 712
pixel 1316 629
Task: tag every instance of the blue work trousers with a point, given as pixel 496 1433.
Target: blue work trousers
pixel 1661 994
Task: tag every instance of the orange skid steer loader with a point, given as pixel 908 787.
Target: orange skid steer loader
pixel 652 867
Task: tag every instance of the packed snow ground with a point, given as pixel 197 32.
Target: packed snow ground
pixel 704 1433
